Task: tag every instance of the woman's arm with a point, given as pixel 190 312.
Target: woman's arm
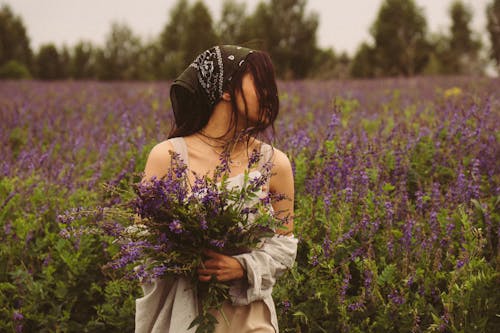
pixel 282 183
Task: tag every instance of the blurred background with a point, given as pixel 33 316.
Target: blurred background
pixel 315 39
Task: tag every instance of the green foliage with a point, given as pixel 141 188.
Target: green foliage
pixel 83 64
pixel 14 41
pixel 118 59
pixel 399 33
pixel 493 26
pixel 49 64
pixel 287 33
pixel 188 32
pixel 14 70
pixel 57 285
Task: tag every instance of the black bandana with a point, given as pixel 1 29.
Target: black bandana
pixel 208 73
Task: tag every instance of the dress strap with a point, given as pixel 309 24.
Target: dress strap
pixel 180 148
pixel 266 152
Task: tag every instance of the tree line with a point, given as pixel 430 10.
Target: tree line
pixel 401 44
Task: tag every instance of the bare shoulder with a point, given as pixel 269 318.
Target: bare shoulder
pixel 282 178
pixel 158 160
pixel 280 160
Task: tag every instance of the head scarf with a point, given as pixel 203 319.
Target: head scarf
pixel 206 76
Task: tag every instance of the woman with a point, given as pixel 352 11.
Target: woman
pixel 226 97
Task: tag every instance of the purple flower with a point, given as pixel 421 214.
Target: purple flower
pixel 17 316
pixel 7 228
pixel 286 305
pixel 343 288
pixel 327 247
pixel 175 226
pixel 461 263
pixel 314 261
pixel 254 158
pixel 355 306
pixel 217 243
pixel 203 224
pixel 158 271
pixel 396 298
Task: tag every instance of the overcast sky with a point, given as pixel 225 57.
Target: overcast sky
pixel 344 24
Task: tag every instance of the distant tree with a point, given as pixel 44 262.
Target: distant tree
pixel 463 46
pixel 83 61
pixel 283 28
pixel 364 62
pixel 230 26
pixel 118 59
pixel 493 16
pixel 48 63
pixel 199 34
pixel 188 32
pixel 145 61
pixel 399 33
pixel 325 65
pixel 441 59
pixel 14 42
pixel 169 56
pixel 65 62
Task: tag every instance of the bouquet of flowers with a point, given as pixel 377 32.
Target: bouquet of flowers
pixel 174 223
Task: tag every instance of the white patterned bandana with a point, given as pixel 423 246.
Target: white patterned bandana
pixel 211 70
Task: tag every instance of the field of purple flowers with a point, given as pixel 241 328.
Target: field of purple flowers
pixel 397 202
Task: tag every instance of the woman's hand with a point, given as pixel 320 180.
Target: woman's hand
pixel 224 268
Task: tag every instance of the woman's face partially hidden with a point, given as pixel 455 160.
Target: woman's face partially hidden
pixel 252 100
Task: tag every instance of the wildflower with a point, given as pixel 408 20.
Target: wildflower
pixel 7 228
pixel 254 158
pixel 17 316
pixel 343 288
pixel 396 298
pixel 327 247
pixel 355 306
pixel 217 243
pixel 286 305
pixel 314 261
pixel 203 224
pixel 175 226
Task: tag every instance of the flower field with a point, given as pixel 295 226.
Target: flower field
pixel 397 202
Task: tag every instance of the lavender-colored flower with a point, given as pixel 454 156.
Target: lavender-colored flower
pixel 314 261
pixel 176 227
pixel 348 194
pixel 367 282
pixel 7 228
pixel 17 316
pixel 327 247
pixel 343 287
pixel 254 158
pixel 408 233
pixel 286 305
pixel 461 263
pixel 396 297
pixel 356 305
pixel 203 224
pixel 217 243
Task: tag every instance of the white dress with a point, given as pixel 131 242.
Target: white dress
pixel 170 305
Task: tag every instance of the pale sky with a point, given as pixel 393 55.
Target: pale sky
pixel 344 24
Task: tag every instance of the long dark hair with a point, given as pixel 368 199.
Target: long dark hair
pixel 196 112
